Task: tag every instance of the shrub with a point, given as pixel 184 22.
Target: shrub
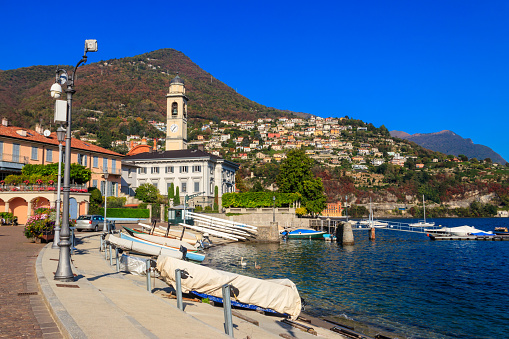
pixel 126 213
pixel 301 211
pixel 259 199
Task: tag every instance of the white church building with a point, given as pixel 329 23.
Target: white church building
pixel 193 171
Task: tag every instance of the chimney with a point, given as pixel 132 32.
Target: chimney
pixel 155 144
pixel 38 128
pixel 5 122
pixel 200 147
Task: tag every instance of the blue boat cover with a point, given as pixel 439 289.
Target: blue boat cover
pixel 483 234
pixel 236 303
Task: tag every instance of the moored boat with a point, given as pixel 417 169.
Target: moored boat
pixel 501 231
pixel 460 231
pixel 422 223
pixel 303 233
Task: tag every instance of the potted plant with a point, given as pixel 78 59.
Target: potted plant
pixel 40 226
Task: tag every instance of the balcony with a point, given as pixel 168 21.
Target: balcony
pixel 111 171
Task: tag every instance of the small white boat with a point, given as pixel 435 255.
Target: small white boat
pixel 371 222
pixel 422 223
pixel 460 231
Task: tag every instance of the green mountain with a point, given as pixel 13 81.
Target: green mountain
pixel 128 87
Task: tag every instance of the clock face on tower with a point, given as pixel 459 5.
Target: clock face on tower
pixel 174 128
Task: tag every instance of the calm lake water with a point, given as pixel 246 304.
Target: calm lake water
pixel 402 283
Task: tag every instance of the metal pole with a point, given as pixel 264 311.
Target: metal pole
pixel 105 229
pixel 64 271
pixel 149 287
pixel 178 283
pixel 227 306
pixel 56 240
pixel 111 257
pixel 116 259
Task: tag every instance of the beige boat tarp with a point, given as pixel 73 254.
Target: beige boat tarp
pixel 280 295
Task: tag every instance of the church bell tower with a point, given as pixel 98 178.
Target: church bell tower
pixel 176 115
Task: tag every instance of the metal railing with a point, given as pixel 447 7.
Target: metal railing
pixel 29 187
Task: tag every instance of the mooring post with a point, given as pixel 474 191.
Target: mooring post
pixel 178 282
pixel 111 257
pixel 101 244
pixel 347 234
pixel 149 287
pixel 227 305
pixel 105 252
pixel 372 233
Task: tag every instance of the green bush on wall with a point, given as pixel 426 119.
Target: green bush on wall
pixel 259 199
pixel 126 213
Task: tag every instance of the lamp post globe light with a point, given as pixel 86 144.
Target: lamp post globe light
pixel 63 114
pixel 60 138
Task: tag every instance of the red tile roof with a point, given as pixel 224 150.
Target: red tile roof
pixel 33 136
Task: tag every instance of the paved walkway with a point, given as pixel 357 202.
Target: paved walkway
pixel 102 303
pixel 24 315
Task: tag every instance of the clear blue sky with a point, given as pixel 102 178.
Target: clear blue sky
pixel 415 66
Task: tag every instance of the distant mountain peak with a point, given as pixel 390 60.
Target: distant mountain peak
pixel 448 142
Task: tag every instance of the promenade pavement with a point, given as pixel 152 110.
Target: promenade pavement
pixel 102 303
pixel 23 313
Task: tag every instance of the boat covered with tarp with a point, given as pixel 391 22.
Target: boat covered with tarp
pixel 279 295
pixel 303 233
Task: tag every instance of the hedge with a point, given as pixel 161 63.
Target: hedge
pixel 258 199
pixel 126 213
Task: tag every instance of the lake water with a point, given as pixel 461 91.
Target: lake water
pixel 402 284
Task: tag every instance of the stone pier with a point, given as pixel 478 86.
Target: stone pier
pixel 268 233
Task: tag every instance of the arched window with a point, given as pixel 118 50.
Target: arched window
pixel 184 109
pixel 174 110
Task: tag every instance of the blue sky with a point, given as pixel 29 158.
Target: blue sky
pixel 415 66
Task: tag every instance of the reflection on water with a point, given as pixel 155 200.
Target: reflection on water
pixel 400 282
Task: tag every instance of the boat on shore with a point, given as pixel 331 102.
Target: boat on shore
pixel 191 255
pixel 279 295
pixel 303 233
pixel 422 223
pixel 169 233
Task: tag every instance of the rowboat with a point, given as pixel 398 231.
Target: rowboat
pixel 190 255
pixel 137 247
pixel 169 233
pixel 161 240
pixel 303 233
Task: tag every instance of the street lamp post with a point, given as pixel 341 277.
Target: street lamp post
pixel 60 138
pixel 274 208
pixel 106 175
pixel 64 271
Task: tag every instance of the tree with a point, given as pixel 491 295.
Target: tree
pixel 171 192
pixel 216 198
pixel 239 183
pixel 257 187
pixel 176 200
pixel 80 174
pixel 295 176
pixel 147 193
